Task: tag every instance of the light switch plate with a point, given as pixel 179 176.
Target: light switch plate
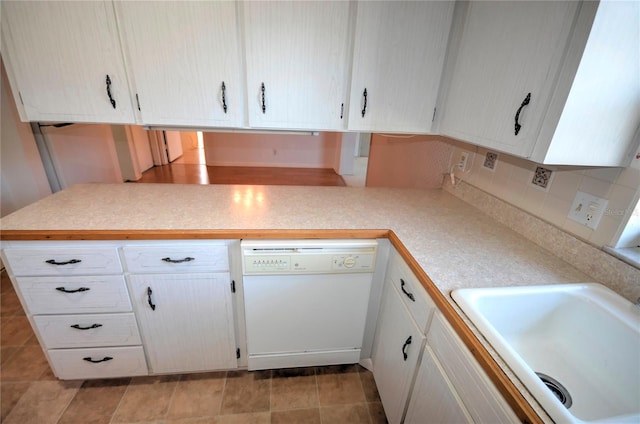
pixel 587 209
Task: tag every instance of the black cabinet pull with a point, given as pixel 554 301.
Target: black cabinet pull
pixel 404 347
pixel 341 110
pixel 149 293
pixel 409 295
pixel 77 326
pixel 178 261
pixel 364 108
pixel 224 99
pixel 81 289
pixel 97 361
pixel 524 103
pixel 264 105
pixel 69 262
pixel 113 102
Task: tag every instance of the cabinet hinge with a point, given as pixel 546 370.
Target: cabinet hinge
pixel 233 286
pixel 138 101
pixel 433 118
pixel 238 353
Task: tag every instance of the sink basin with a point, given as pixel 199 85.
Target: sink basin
pixel 576 347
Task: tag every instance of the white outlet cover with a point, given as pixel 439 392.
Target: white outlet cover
pixel 462 162
pixel 587 209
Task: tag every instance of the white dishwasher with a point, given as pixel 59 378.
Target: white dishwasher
pixel 306 300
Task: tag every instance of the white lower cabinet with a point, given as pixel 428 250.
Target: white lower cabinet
pixel 396 350
pixel 186 321
pixel 479 395
pixel 434 382
pixel 434 400
pixel 404 315
pixel 76 299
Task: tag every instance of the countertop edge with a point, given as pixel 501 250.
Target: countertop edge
pixel 34 235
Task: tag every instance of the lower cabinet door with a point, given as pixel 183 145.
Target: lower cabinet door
pixel 186 321
pixel 434 400
pixel 397 347
pixel 71 364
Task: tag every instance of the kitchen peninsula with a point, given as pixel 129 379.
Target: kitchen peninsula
pixel 446 242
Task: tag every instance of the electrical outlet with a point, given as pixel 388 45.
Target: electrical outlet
pixel 587 209
pixel 462 161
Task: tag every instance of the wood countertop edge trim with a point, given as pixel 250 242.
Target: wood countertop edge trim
pixel 61 235
pixel 503 383
pixel 512 395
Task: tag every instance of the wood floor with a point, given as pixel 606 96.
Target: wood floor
pixel 202 174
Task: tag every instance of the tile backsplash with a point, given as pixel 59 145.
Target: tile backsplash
pixel 549 195
pixel 600 266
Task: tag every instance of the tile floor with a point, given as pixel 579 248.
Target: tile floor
pixel 30 394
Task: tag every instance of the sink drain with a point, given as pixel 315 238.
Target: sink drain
pixel 557 389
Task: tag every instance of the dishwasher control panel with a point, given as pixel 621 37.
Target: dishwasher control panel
pixel 315 258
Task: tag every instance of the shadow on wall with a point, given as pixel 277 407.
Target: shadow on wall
pixel 407 161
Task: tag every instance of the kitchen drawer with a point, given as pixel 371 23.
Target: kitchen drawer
pixel 69 364
pixel 479 394
pixel 172 258
pixel 45 295
pixel 95 330
pixel 64 261
pixel 413 295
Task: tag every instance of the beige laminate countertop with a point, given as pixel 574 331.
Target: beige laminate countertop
pixel 454 243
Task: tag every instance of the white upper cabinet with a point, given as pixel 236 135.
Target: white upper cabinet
pixel 536 80
pixel 64 61
pixel 185 60
pixel 398 57
pixel 296 58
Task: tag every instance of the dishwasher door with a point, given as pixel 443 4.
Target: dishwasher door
pixel 305 320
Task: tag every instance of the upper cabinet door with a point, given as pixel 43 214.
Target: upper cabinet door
pixel 296 57
pixel 398 58
pixel 504 74
pixel 65 62
pixel 185 61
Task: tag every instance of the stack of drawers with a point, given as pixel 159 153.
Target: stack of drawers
pixel 78 302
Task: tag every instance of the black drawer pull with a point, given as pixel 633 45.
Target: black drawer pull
pixel 264 104
pixel 404 347
pixel 364 96
pixel 97 361
pixel 111 99
pixel 81 289
pixel 224 97
pixel 179 261
pixel 524 103
pixel 409 295
pixel 151 304
pixel 77 326
pixel 69 262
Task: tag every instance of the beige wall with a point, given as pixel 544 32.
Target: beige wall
pixel 22 173
pixel 407 161
pixel 278 150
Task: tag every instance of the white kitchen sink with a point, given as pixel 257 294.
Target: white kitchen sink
pixel 585 337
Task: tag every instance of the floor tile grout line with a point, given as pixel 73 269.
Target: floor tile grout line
pixel 69 402
pixel 115 411
pixel 315 375
pixel 173 395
